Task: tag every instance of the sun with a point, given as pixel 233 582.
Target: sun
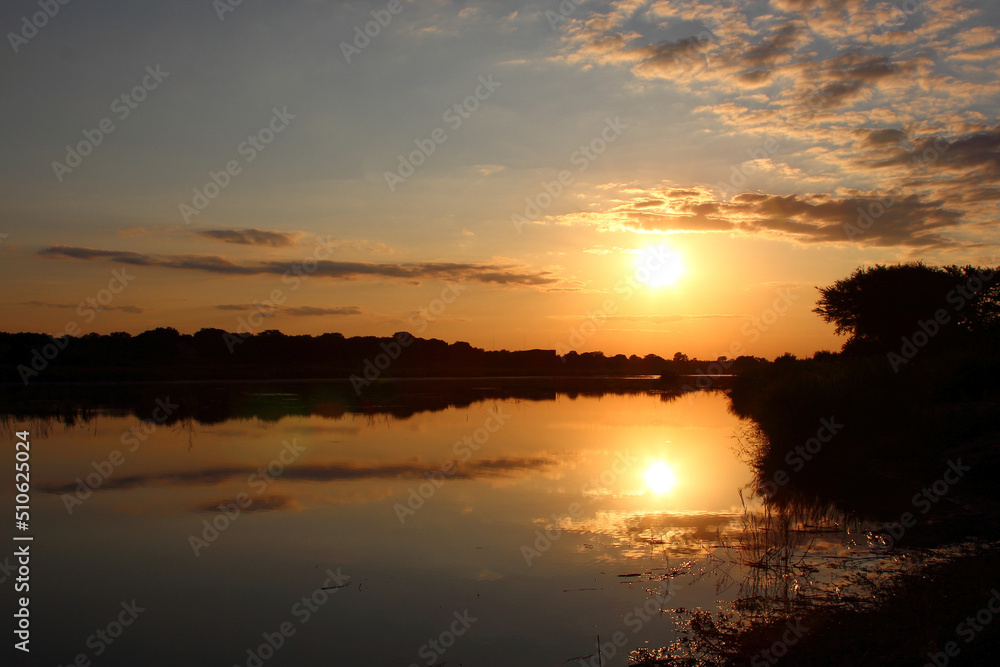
pixel 660 478
pixel 659 266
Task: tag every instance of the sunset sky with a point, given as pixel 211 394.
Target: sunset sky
pixel 680 174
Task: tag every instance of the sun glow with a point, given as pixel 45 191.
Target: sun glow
pixel 659 266
pixel 660 478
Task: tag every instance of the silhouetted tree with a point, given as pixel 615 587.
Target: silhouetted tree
pixel 618 363
pixel 881 305
pixel 654 364
pixel 210 345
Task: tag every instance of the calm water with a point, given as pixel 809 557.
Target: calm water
pixel 505 532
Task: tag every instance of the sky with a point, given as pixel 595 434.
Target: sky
pixel 630 177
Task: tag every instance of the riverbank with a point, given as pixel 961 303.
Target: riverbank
pixel 912 456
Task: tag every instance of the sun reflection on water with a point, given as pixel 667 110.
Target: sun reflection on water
pixel 660 478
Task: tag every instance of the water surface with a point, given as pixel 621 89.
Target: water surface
pixel 503 532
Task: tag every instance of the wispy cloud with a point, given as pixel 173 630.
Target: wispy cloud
pixel 246 307
pixel 269 503
pixel 862 96
pixel 864 218
pixel 308 311
pixel 251 237
pixel 332 472
pixel 134 310
pixel 484 273
pixel 298 311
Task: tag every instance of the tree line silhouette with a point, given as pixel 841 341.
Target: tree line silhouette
pixel 165 353
pixel 902 312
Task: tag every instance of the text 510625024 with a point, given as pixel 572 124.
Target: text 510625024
pixel 22 552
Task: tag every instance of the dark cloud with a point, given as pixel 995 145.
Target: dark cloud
pixel 484 273
pixel 749 63
pixel 873 218
pixel 754 77
pixel 299 311
pixel 843 79
pixel 251 237
pixel 981 149
pixel 889 219
pixel 133 310
pixel 776 47
pixel 306 311
pixel 269 503
pixel 978 151
pixel 879 138
pixel 47 304
pixel 333 472
pixel 668 57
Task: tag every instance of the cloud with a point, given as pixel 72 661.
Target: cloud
pixel 667 57
pixel 132 310
pixel 776 47
pixel 261 309
pixel 47 304
pixel 879 138
pixel 268 503
pixel 299 311
pixel 484 273
pixel 961 168
pixel 314 310
pixel 844 78
pixel 871 218
pixel 332 472
pixel 979 151
pixel 807 54
pixel 251 237
pixel 867 219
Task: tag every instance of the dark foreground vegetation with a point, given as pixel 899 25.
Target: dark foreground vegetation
pixel 915 387
pixel 936 610
pixel 897 435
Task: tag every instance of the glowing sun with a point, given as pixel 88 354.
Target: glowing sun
pixel 660 478
pixel 659 266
